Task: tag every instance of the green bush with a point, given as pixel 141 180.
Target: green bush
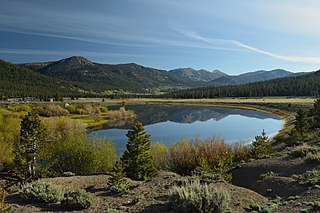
pixel 311 177
pixel 9 134
pixel 68 174
pixel 50 110
pixel 78 199
pixel 313 158
pixel 304 150
pixel 208 155
pixel 137 199
pixel 68 149
pixel 197 197
pixel 159 153
pixel 42 192
pixel 204 178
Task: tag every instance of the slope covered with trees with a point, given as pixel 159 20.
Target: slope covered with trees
pixel 19 81
pixel 306 85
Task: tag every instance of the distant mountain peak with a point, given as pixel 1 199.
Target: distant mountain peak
pixel 77 59
pixel 197 75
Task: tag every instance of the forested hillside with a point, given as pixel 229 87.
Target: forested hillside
pixel 306 85
pixel 19 81
pixel 102 77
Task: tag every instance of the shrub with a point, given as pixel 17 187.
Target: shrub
pixel 311 177
pixel 69 149
pixel 304 150
pixel 68 174
pixel 196 197
pixel 204 178
pixel 137 199
pixel 42 192
pixel 313 158
pixel 103 109
pixel 78 199
pixel 9 135
pixel 20 108
pixel 159 153
pixel 50 110
pixel 184 157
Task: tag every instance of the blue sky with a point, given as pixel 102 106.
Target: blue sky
pixel 231 35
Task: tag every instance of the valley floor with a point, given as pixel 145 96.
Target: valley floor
pixel 248 185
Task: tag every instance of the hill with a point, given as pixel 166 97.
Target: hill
pixel 249 77
pixel 19 81
pixel 197 75
pixel 78 76
pixel 101 77
pixel 304 85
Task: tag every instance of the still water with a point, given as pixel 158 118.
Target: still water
pixel 170 123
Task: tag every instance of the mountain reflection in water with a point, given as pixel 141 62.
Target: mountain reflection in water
pixel 168 123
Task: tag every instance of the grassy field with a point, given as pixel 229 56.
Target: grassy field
pixel 292 100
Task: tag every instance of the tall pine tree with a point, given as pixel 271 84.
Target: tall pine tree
pixel 137 161
pixel 32 136
pixel 301 123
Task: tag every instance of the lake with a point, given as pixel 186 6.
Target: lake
pixel 170 123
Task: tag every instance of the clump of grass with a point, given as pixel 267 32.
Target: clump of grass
pixel 42 192
pixel 197 197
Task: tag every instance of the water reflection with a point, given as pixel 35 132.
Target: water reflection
pixel 152 114
pixel 168 123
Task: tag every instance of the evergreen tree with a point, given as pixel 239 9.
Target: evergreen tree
pixel 316 112
pixel 260 147
pixel 117 181
pixel 137 161
pixel 32 136
pixel 301 123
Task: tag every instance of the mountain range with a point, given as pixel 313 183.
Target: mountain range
pixel 78 75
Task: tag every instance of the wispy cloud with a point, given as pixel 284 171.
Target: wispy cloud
pixel 315 60
pixel 65 53
pixel 215 41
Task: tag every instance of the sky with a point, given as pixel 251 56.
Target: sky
pixel 231 35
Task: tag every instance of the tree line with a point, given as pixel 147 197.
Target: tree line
pixel 306 85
